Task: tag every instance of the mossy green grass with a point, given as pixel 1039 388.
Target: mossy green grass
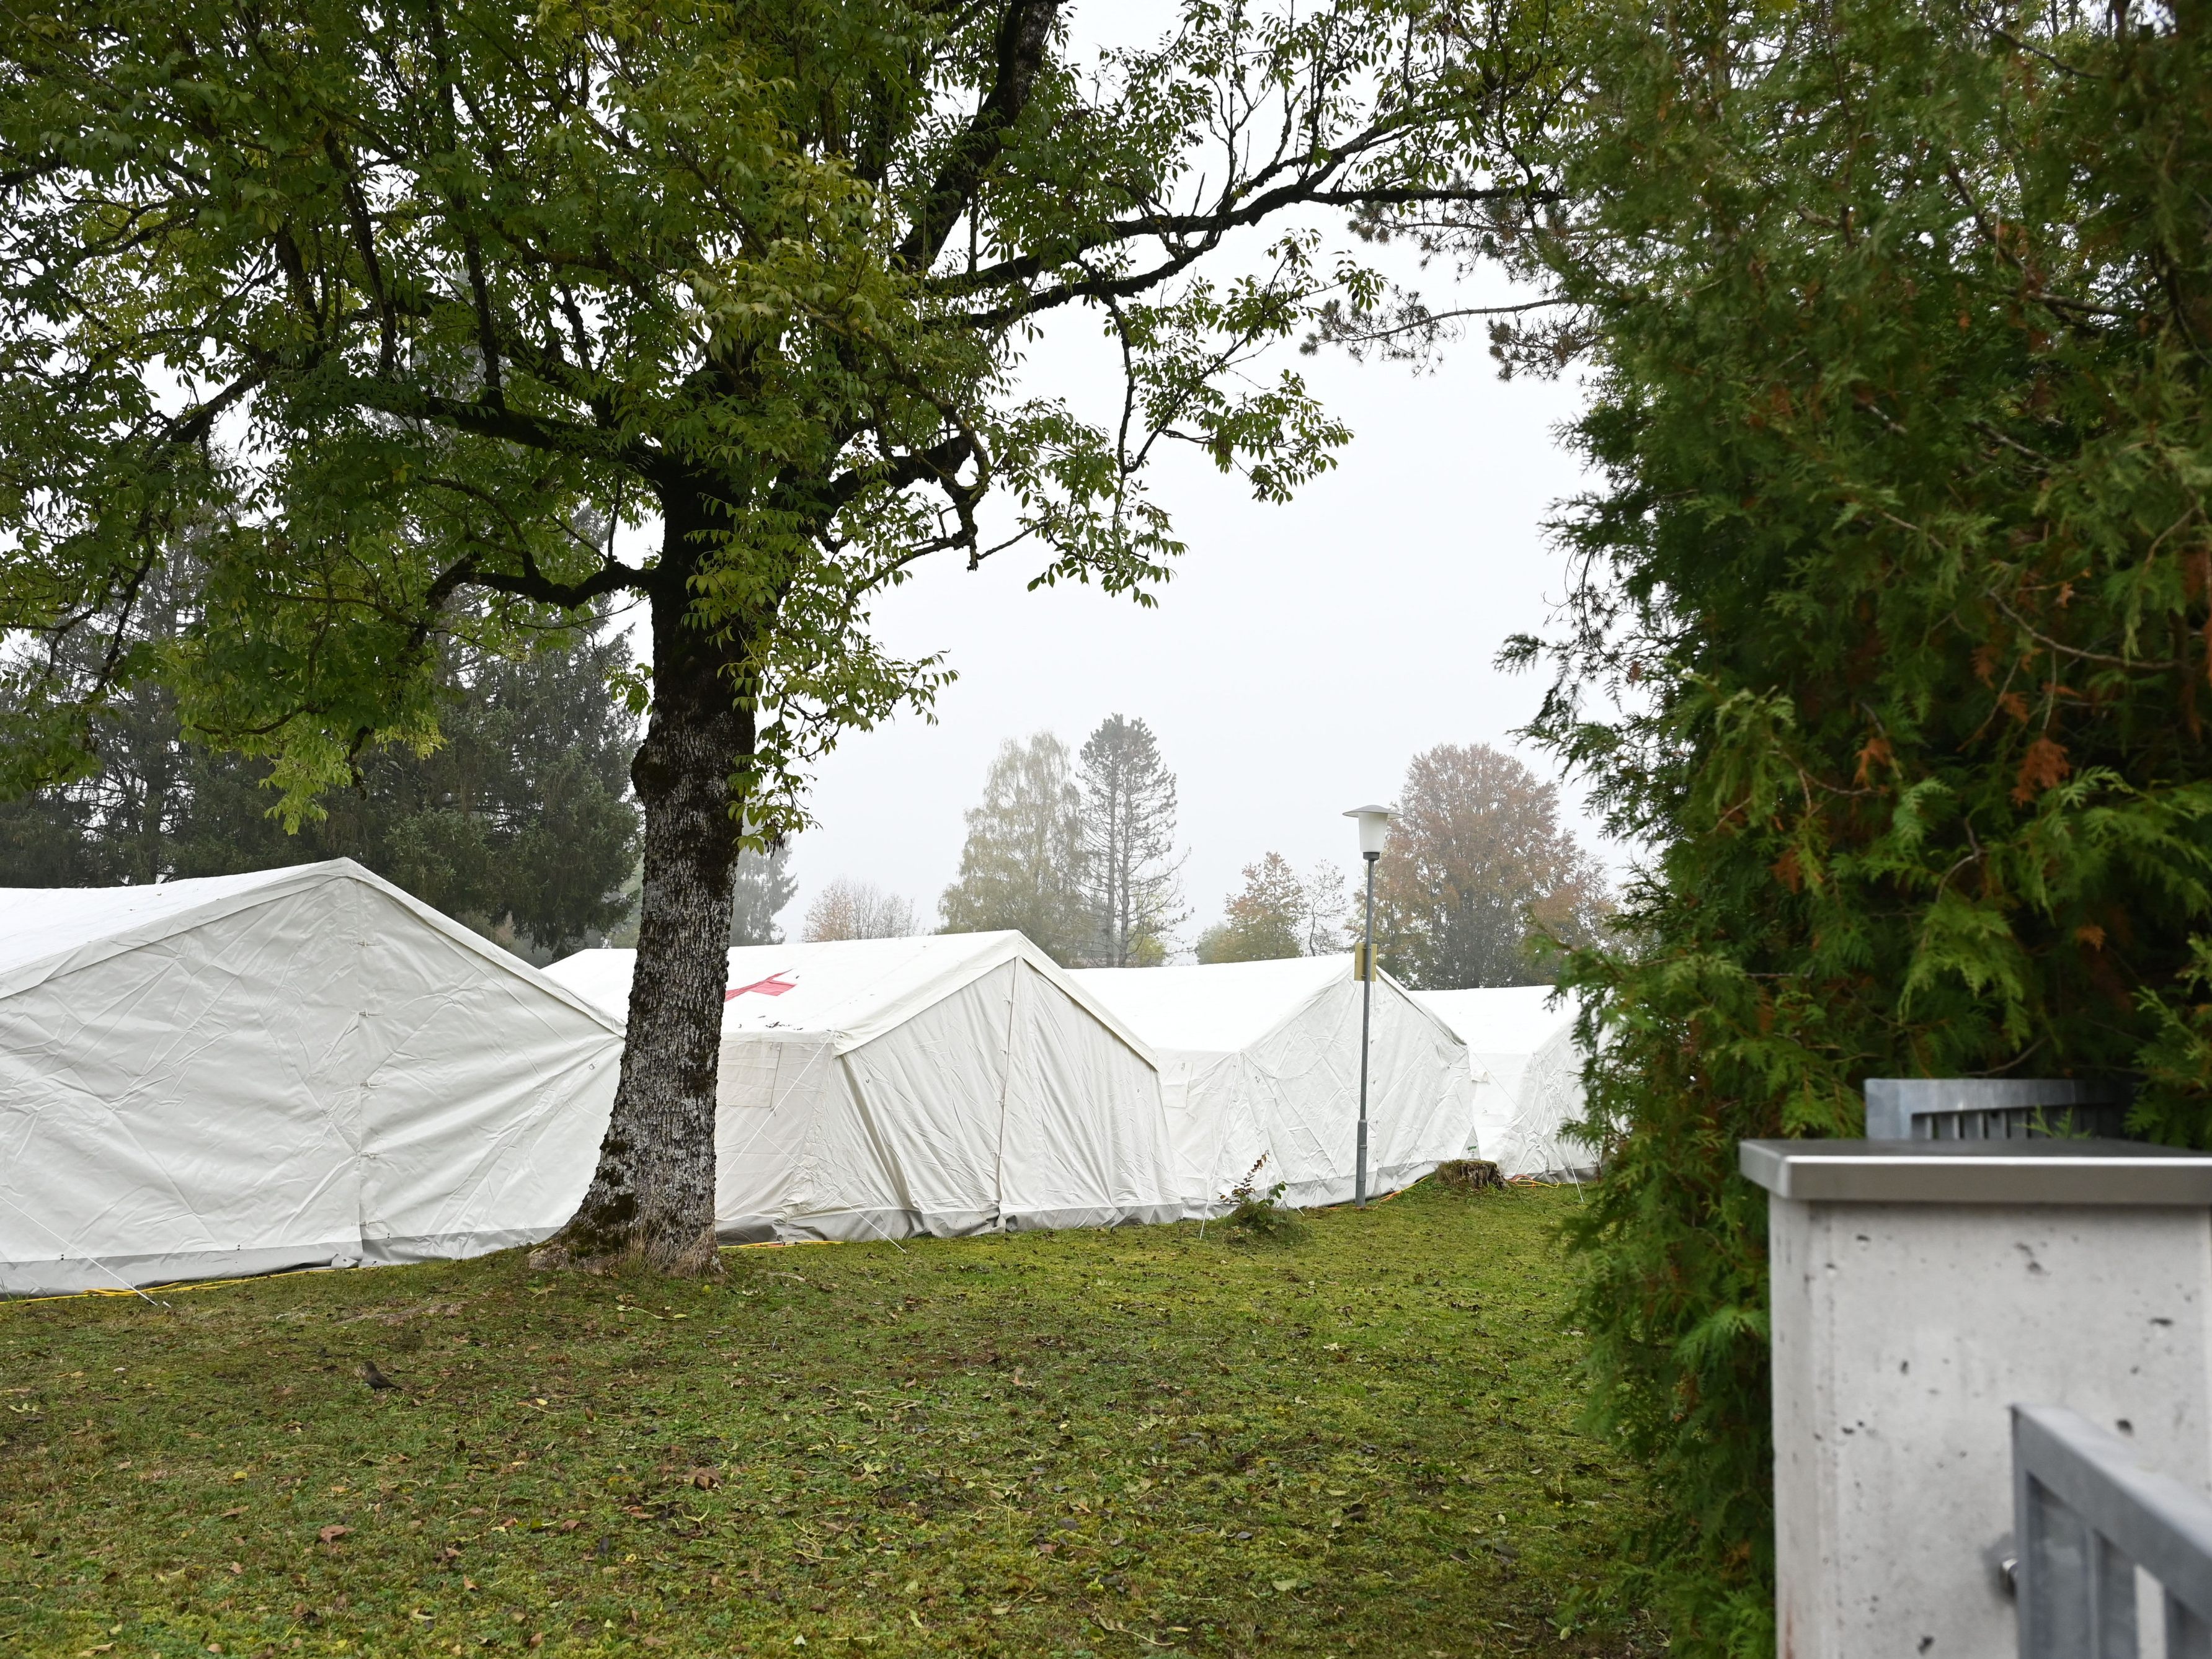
pixel 1141 1442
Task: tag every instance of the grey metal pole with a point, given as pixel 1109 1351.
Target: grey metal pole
pixel 1366 1018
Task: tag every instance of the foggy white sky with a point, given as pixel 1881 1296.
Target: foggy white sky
pixel 1297 660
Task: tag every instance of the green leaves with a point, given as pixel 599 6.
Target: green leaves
pixel 1897 566
pixel 377 307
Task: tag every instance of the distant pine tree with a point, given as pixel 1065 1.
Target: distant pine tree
pixel 762 886
pixel 1128 831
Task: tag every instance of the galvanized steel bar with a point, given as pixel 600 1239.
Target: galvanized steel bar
pixel 2086 1516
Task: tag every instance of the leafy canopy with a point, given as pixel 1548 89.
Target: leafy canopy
pixel 384 306
pixel 1021 864
pixel 1479 883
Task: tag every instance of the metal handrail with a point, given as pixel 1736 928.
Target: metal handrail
pixel 2086 1515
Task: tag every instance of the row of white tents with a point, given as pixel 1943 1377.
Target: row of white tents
pixel 308 1067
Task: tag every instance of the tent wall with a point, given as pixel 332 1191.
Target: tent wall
pixel 1528 1076
pixel 1547 1095
pixel 1086 1142
pixel 1306 1076
pixel 769 1090
pixel 1003 1102
pixel 1266 1067
pixel 184 1109
pixel 484 1099
pixel 907 1141
pixel 323 1077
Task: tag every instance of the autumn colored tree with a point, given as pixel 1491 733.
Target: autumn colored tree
pixel 1479 881
pixel 1268 918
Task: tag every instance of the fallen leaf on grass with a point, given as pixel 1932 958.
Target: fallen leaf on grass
pixel 570 1526
pixel 1120 1629
pixel 232 1515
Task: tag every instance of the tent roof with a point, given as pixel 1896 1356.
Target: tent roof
pixel 851 990
pixel 1214 1007
pixel 46 922
pixel 49 931
pixel 1508 1020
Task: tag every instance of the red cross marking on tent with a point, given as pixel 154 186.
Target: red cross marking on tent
pixel 774 985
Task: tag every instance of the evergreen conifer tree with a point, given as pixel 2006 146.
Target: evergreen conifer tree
pixel 1890 639
pixel 517 822
pixel 1130 870
pixel 759 889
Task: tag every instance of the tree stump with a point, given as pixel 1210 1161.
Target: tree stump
pixel 1470 1175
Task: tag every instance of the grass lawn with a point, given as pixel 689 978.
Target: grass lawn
pixel 1119 1443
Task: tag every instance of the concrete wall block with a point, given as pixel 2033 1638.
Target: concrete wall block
pixel 1902 1333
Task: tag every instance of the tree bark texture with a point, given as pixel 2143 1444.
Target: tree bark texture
pixel 651 1201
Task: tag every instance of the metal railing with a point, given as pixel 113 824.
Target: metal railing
pixel 2086 1515
pixel 1993 1109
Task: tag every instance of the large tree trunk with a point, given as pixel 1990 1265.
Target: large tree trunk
pixel 651 1201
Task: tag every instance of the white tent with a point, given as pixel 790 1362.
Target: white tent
pixel 291 1068
pixel 943 1085
pixel 1527 1073
pixel 1262 1059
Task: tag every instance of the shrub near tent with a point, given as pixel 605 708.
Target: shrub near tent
pixel 939 1085
pixel 290 1068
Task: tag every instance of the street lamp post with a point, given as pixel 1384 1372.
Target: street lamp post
pixel 1374 821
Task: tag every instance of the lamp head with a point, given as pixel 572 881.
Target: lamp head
pixel 1374 821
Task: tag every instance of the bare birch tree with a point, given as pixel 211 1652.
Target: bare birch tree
pixel 846 908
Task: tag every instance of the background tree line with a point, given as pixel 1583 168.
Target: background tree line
pixel 1076 850
pixel 520 824
pixel 1480 884
pixel 516 822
